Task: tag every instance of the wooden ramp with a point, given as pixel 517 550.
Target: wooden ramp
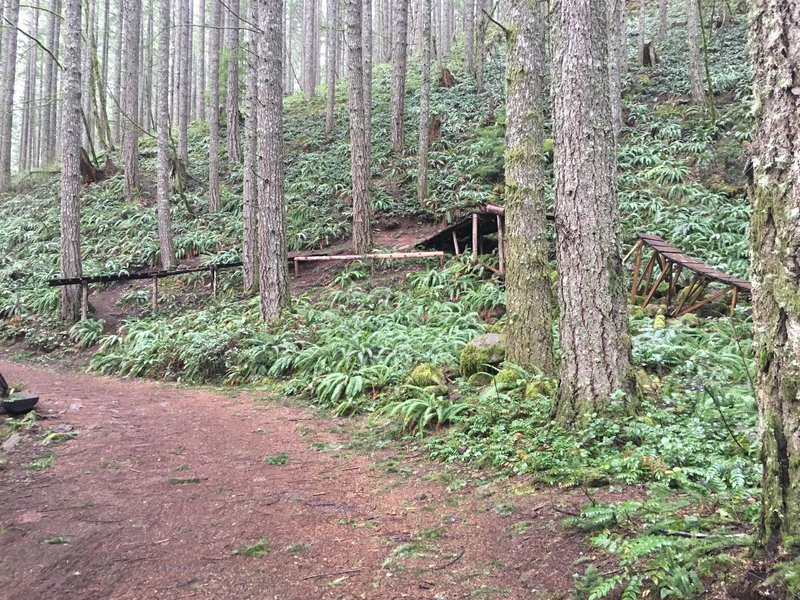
pixel 667 265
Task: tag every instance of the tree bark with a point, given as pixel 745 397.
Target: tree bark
pixel 775 270
pixel 424 105
pixel 250 191
pixel 200 94
pixel 184 81
pixel 310 47
pixel 9 73
pixel 693 40
pixel 617 53
pixel 50 74
pixel 399 58
pixel 642 32
pixel 362 233
pixel 165 157
pixel 130 120
pixel 213 108
pixel 483 7
pixel 469 36
pixel 332 41
pixel 70 163
pixel 367 56
pixel 119 101
pixel 595 345
pixel 232 129
pixel 273 288
pixel 663 20
pixel 528 297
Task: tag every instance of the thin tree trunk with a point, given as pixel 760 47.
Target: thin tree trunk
pixel 367 57
pixel 399 58
pixel 87 80
pixel 273 288
pixel 146 117
pixel 8 80
pixel 469 36
pixel 480 51
pixel 424 104
pixel 200 94
pixel 528 296
pixel 250 191
pixel 775 251
pixel 595 345
pixel 70 163
pixel 232 131
pixel 663 20
pixel 362 233
pixel 213 108
pixel 642 31
pixel 119 101
pixel 693 40
pixel 130 130
pixel 310 47
pixel 184 82
pixel 165 158
pixel 48 137
pixel 330 67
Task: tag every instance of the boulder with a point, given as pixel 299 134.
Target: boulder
pixel 426 375
pixel 482 354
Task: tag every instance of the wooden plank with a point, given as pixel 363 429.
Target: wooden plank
pixel 139 276
pixel 378 256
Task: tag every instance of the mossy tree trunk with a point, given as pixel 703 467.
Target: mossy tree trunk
pixel 528 297
pixel 250 187
pixel 595 344
pixel 424 104
pixel 399 61
pixel 693 43
pixel 775 248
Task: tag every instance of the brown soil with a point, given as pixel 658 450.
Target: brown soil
pixel 162 485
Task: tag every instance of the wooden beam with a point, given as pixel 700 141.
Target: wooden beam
pixel 475 237
pixel 84 301
pixel 637 266
pixel 455 244
pixel 734 299
pixel 705 301
pixel 154 294
pixel 636 246
pixel 376 256
pixel 664 272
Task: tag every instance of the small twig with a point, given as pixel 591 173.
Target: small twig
pixel 447 564
pixel 566 512
pixel 722 416
pixel 500 25
pixel 332 574
pixel 703 536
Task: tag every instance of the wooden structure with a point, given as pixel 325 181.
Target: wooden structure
pixel 667 264
pixel 473 232
pixel 377 256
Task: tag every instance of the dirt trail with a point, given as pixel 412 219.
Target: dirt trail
pixel 162 485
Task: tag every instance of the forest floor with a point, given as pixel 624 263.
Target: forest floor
pixel 168 492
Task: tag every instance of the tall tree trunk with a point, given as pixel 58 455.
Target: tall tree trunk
pixel 250 191
pixel 8 79
pixel 130 131
pixel 48 135
pixel 213 108
pixel 483 7
pixel 362 233
pixel 146 116
pixel 88 80
pixel 184 81
pixel 693 40
pixel 424 104
pixel 200 94
pixel 119 100
pixel 663 20
pixel 26 148
pixel 775 251
pixel 367 57
pixel 469 36
pixel 528 296
pixel 595 345
pixel 399 58
pixel 70 163
pixel 232 130
pixel 273 288
pixel 617 51
pixel 642 31
pixel 330 67
pixel 165 158
pixel 310 54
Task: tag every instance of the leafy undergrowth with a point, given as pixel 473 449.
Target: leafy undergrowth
pixel 351 348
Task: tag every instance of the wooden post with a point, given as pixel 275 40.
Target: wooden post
pixel 155 294
pixel 734 299
pixel 296 268
pixel 475 237
pixel 455 244
pixel 214 280
pixel 637 266
pixel 664 271
pixel 441 261
pixel 501 251
pixel 84 301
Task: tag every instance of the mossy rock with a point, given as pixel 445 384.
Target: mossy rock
pixel 507 376
pixel 660 322
pixel 436 390
pixel 635 311
pixel 483 353
pixel 480 380
pixel 690 320
pixel 595 479
pixel 540 387
pixel 426 375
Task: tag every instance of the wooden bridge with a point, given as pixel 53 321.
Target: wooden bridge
pixel 669 264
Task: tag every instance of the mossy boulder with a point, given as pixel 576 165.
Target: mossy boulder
pixel 507 377
pixel 436 390
pixel 660 322
pixel 540 387
pixel 480 380
pixel 426 375
pixel 483 353
pixel 690 320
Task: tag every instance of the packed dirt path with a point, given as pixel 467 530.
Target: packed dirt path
pixel 161 486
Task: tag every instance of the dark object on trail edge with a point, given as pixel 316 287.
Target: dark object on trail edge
pixel 18 402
